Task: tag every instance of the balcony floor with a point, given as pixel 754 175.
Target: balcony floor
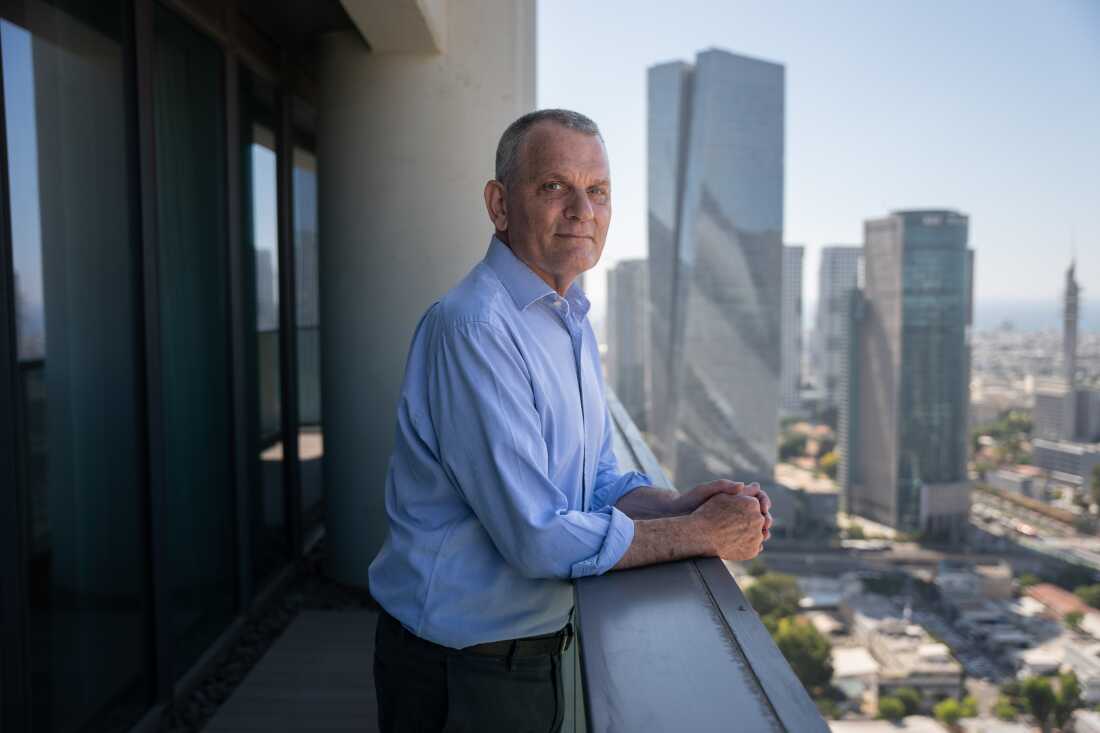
pixel 317 677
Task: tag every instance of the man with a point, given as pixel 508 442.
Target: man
pixel 503 486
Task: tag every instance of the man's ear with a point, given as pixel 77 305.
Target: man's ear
pixel 496 206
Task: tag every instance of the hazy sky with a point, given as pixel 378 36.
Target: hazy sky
pixel 991 108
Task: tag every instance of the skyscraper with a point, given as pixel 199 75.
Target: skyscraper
pixel 905 445
pixel 715 255
pixel 836 278
pixel 791 357
pixel 627 338
pixel 1066 415
pixel 1056 400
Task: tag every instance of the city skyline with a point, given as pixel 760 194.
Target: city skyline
pixel 1003 108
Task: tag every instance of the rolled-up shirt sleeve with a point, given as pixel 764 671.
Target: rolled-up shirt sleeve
pixel 492 447
pixel 611 485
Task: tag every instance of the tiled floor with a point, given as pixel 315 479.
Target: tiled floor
pixel 315 678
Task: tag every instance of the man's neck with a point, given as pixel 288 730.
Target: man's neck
pixel 560 285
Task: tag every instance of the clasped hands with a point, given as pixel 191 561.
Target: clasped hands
pixel 734 517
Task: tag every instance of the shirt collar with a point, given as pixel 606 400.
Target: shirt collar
pixel 523 284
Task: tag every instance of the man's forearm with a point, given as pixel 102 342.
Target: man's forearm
pixel 664 540
pixel 647 502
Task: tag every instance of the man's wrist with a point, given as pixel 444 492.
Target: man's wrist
pixel 695 534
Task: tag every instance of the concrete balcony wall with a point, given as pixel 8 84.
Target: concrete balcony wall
pixel 406 144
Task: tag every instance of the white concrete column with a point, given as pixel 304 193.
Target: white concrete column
pixel 405 144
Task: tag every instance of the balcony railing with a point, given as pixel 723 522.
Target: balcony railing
pixel 677 647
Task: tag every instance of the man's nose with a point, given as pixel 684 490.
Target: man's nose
pixel 580 207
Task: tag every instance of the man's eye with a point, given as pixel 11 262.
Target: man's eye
pixel 597 191
pixel 552 186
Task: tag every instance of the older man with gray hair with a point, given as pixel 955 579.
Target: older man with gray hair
pixel 503 486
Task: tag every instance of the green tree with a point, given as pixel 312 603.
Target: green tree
pixel 1004 709
pixel 807 651
pixel 1073 620
pixel 1090 594
pixel 1040 700
pixel 1027 580
pixel 910 698
pixel 829 463
pixel 756 568
pixel 1068 698
pixel 774 595
pixel 968 706
pixel 1094 486
pixel 890 708
pixel 792 445
pixel 948 712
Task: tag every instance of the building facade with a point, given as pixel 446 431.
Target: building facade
pixel 790 380
pixel 906 442
pixel 628 336
pixel 837 274
pixel 191 192
pixel 715 253
pixel 1067 416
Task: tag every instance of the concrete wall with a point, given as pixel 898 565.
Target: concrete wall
pixel 405 145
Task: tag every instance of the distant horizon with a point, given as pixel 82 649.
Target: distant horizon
pixel 997 123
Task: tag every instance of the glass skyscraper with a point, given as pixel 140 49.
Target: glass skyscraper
pixel 905 446
pixel 626 336
pixel 715 251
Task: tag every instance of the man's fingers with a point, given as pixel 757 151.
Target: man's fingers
pixel 762 497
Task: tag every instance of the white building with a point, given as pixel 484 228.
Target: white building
pixel 790 379
pixel 1084 660
pixel 837 277
pixel 855 672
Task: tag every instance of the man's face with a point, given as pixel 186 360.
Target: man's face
pixel 559 205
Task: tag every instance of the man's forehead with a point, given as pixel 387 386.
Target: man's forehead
pixel 553 147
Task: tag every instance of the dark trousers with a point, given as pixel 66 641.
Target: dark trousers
pixel 426 688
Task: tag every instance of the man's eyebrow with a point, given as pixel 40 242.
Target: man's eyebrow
pixel 557 174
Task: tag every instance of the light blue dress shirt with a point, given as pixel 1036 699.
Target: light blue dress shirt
pixel 502 483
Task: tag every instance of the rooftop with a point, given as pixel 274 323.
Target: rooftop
pixel 1057 600
pixel 853 661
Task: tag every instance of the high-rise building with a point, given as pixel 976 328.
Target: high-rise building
pixel 715 255
pixel 1057 401
pixel 1066 416
pixel 627 337
pixel 836 278
pixel 790 379
pixel 905 442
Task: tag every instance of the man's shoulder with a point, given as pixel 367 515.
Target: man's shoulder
pixel 479 297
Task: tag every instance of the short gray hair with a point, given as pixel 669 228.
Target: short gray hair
pixel 507 163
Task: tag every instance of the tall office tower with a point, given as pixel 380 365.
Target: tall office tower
pixel 1066 415
pixel 1055 414
pixel 790 379
pixel 267 291
pixel 1069 327
pixel 715 259
pixel 835 280
pixel 627 338
pixel 906 442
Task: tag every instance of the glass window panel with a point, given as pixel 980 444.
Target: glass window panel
pixel 77 310
pixel 261 242
pixel 308 319
pixel 194 317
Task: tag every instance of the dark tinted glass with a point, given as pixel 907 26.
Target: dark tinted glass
pixel 261 257
pixel 311 447
pixel 77 314
pixel 194 312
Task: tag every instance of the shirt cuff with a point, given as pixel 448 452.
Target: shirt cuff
pixel 620 533
pixel 610 493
